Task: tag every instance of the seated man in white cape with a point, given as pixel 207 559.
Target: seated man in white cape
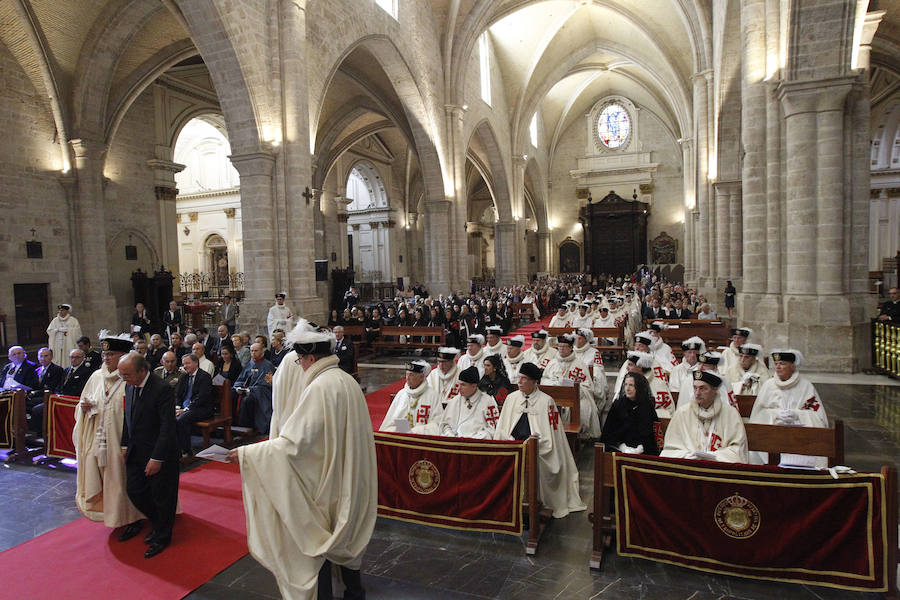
pixel 561 318
pixel 642 343
pixel 494 342
pixel 682 376
pixel 311 490
pixel 541 352
pixel 789 398
pixel 749 373
pixel 417 403
pixel 707 428
pixel 474 355
pixel 471 413
pixel 444 378
pixel 515 357
pixel 568 367
pixel 530 411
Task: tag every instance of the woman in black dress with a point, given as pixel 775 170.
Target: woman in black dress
pixel 229 366
pixel 632 421
pixel 494 381
pixel 730 293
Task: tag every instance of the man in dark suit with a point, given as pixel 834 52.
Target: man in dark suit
pixel 193 400
pixel 20 371
pixel 91 357
pixel 344 350
pixel 76 375
pixel 50 378
pixel 150 450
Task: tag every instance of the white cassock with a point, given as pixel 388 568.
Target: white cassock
pixel 445 385
pixel 100 492
pixel 592 358
pixel 682 377
pixel 606 322
pixel 572 368
pixel 586 321
pixel 541 357
pixel 557 473
pixel 657 370
pixel 730 356
pixel 287 385
pixel 61 337
pixel 796 396
pixel 474 417
pixel 512 366
pixel 726 393
pixel 718 430
pixel 560 321
pixel 663 354
pixel 749 382
pixel 420 407
pixel 311 493
pixel 280 317
pixel 499 349
pixel 467 360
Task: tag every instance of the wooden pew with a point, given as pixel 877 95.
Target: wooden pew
pixel 435 335
pixel 222 419
pixel 745 403
pixel 774 439
pixel 714 333
pixel 567 397
pixel 15 428
pixel 538 516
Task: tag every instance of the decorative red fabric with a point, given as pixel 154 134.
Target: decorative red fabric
pixel 451 482
pixel 7 435
pixel 754 521
pixel 60 425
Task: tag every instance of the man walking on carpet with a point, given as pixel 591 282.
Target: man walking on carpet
pixel 311 490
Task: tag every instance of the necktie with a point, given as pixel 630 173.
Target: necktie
pixel 187 397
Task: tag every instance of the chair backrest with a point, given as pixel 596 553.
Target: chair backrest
pixel 222 393
pixel 566 396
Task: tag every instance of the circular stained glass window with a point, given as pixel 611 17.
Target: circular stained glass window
pixel 613 126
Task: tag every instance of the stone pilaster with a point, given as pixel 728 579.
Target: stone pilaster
pixel 701 134
pixel 437 246
pixel 504 240
pixel 544 240
pixel 457 243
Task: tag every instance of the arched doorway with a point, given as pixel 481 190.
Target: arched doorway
pixel 369 223
pixel 217 259
pixel 569 257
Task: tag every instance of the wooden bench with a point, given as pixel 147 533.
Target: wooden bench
pixel 714 333
pixel 774 439
pixel 435 334
pixel 567 397
pixel 222 419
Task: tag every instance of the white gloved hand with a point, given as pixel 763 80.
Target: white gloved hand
pixel 623 447
pixel 840 470
pixel 639 449
pixel 786 416
pixel 701 455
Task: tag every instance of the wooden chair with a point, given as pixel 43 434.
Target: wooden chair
pixel 222 419
pixel 567 397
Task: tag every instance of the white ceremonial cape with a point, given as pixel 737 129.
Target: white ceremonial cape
pixel 100 493
pixel 557 473
pixel 730 356
pixel 657 371
pixel 311 493
pixel 512 366
pixel 467 360
pixel 445 385
pixel 541 357
pixel 718 429
pixel 726 393
pixel 474 419
pixel 500 349
pixel 747 383
pixel 421 407
pixel 682 378
pixel 662 352
pixel 798 395
pixel 62 335
pixel 586 321
pixel 560 321
pixel 280 317
pixel 572 368
pixel 287 386
pixel 592 358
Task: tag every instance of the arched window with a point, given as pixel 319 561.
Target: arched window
pixel 484 59
pixel 203 150
pixel 389 6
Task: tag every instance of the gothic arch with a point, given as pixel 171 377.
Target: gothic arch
pixel 493 160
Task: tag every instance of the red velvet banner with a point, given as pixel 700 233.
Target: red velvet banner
pixel 754 521
pixel 60 412
pixel 7 435
pixel 451 482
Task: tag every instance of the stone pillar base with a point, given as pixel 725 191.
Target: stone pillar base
pixel 832 332
pixel 311 308
pixel 252 317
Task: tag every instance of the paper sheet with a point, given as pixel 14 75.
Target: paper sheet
pixel 214 452
pixel 402 425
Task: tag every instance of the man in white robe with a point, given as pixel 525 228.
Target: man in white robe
pixel 474 356
pixel 417 403
pixel 604 319
pixel 100 489
pixel 561 318
pixel 530 411
pixel 444 378
pixel 541 352
pixel 658 347
pixel 471 413
pixel 311 492
pixel 682 376
pixel 788 398
pixel 568 367
pixel 495 344
pixel 711 362
pixel 591 356
pixel 731 356
pixel 749 373
pixel 515 357
pixel 281 316
pixel 642 345
pixel 583 319
pixel 62 334
pixel 706 429
pixel 529 299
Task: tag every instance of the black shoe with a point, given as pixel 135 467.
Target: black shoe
pixel 131 530
pixel 148 539
pixel 155 548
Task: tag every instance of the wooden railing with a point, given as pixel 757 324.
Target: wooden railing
pixel 886 347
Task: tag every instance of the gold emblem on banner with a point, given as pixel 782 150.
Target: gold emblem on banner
pixel 424 477
pixel 737 517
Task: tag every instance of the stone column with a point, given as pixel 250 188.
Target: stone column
pixel 689 183
pixel 458 276
pixel 69 183
pixel 96 300
pixel 437 246
pixel 701 134
pixel 723 192
pixel 544 237
pixel 504 255
pixel 257 222
pixel 735 235
pixel 520 252
pixel 340 203
pixel 164 171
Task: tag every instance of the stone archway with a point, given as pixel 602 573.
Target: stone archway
pixel 569 256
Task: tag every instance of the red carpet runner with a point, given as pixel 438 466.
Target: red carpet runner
pixel 85 559
pixel 379 401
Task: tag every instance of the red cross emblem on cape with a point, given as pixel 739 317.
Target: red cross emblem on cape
pixel 422 414
pixel 715 442
pixel 812 404
pixel 663 400
pixel 553 416
pixel 491 415
pixel 732 400
pixel 576 374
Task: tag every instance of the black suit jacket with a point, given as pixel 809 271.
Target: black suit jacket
pixel 93 360
pixel 75 379
pixel 148 430
pixel 154 356
pixel 201 394
pixel 210 346
pixel 26 375
pixel 52 378
pixel 344 351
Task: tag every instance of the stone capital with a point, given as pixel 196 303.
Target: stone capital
pixel 164 193
pixel 87 149
pixel 253 164
pixel 815 95
pixel 229 213
pixel 455 110
pixel 702 76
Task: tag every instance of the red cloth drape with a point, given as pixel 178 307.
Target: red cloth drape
pixel 60 424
